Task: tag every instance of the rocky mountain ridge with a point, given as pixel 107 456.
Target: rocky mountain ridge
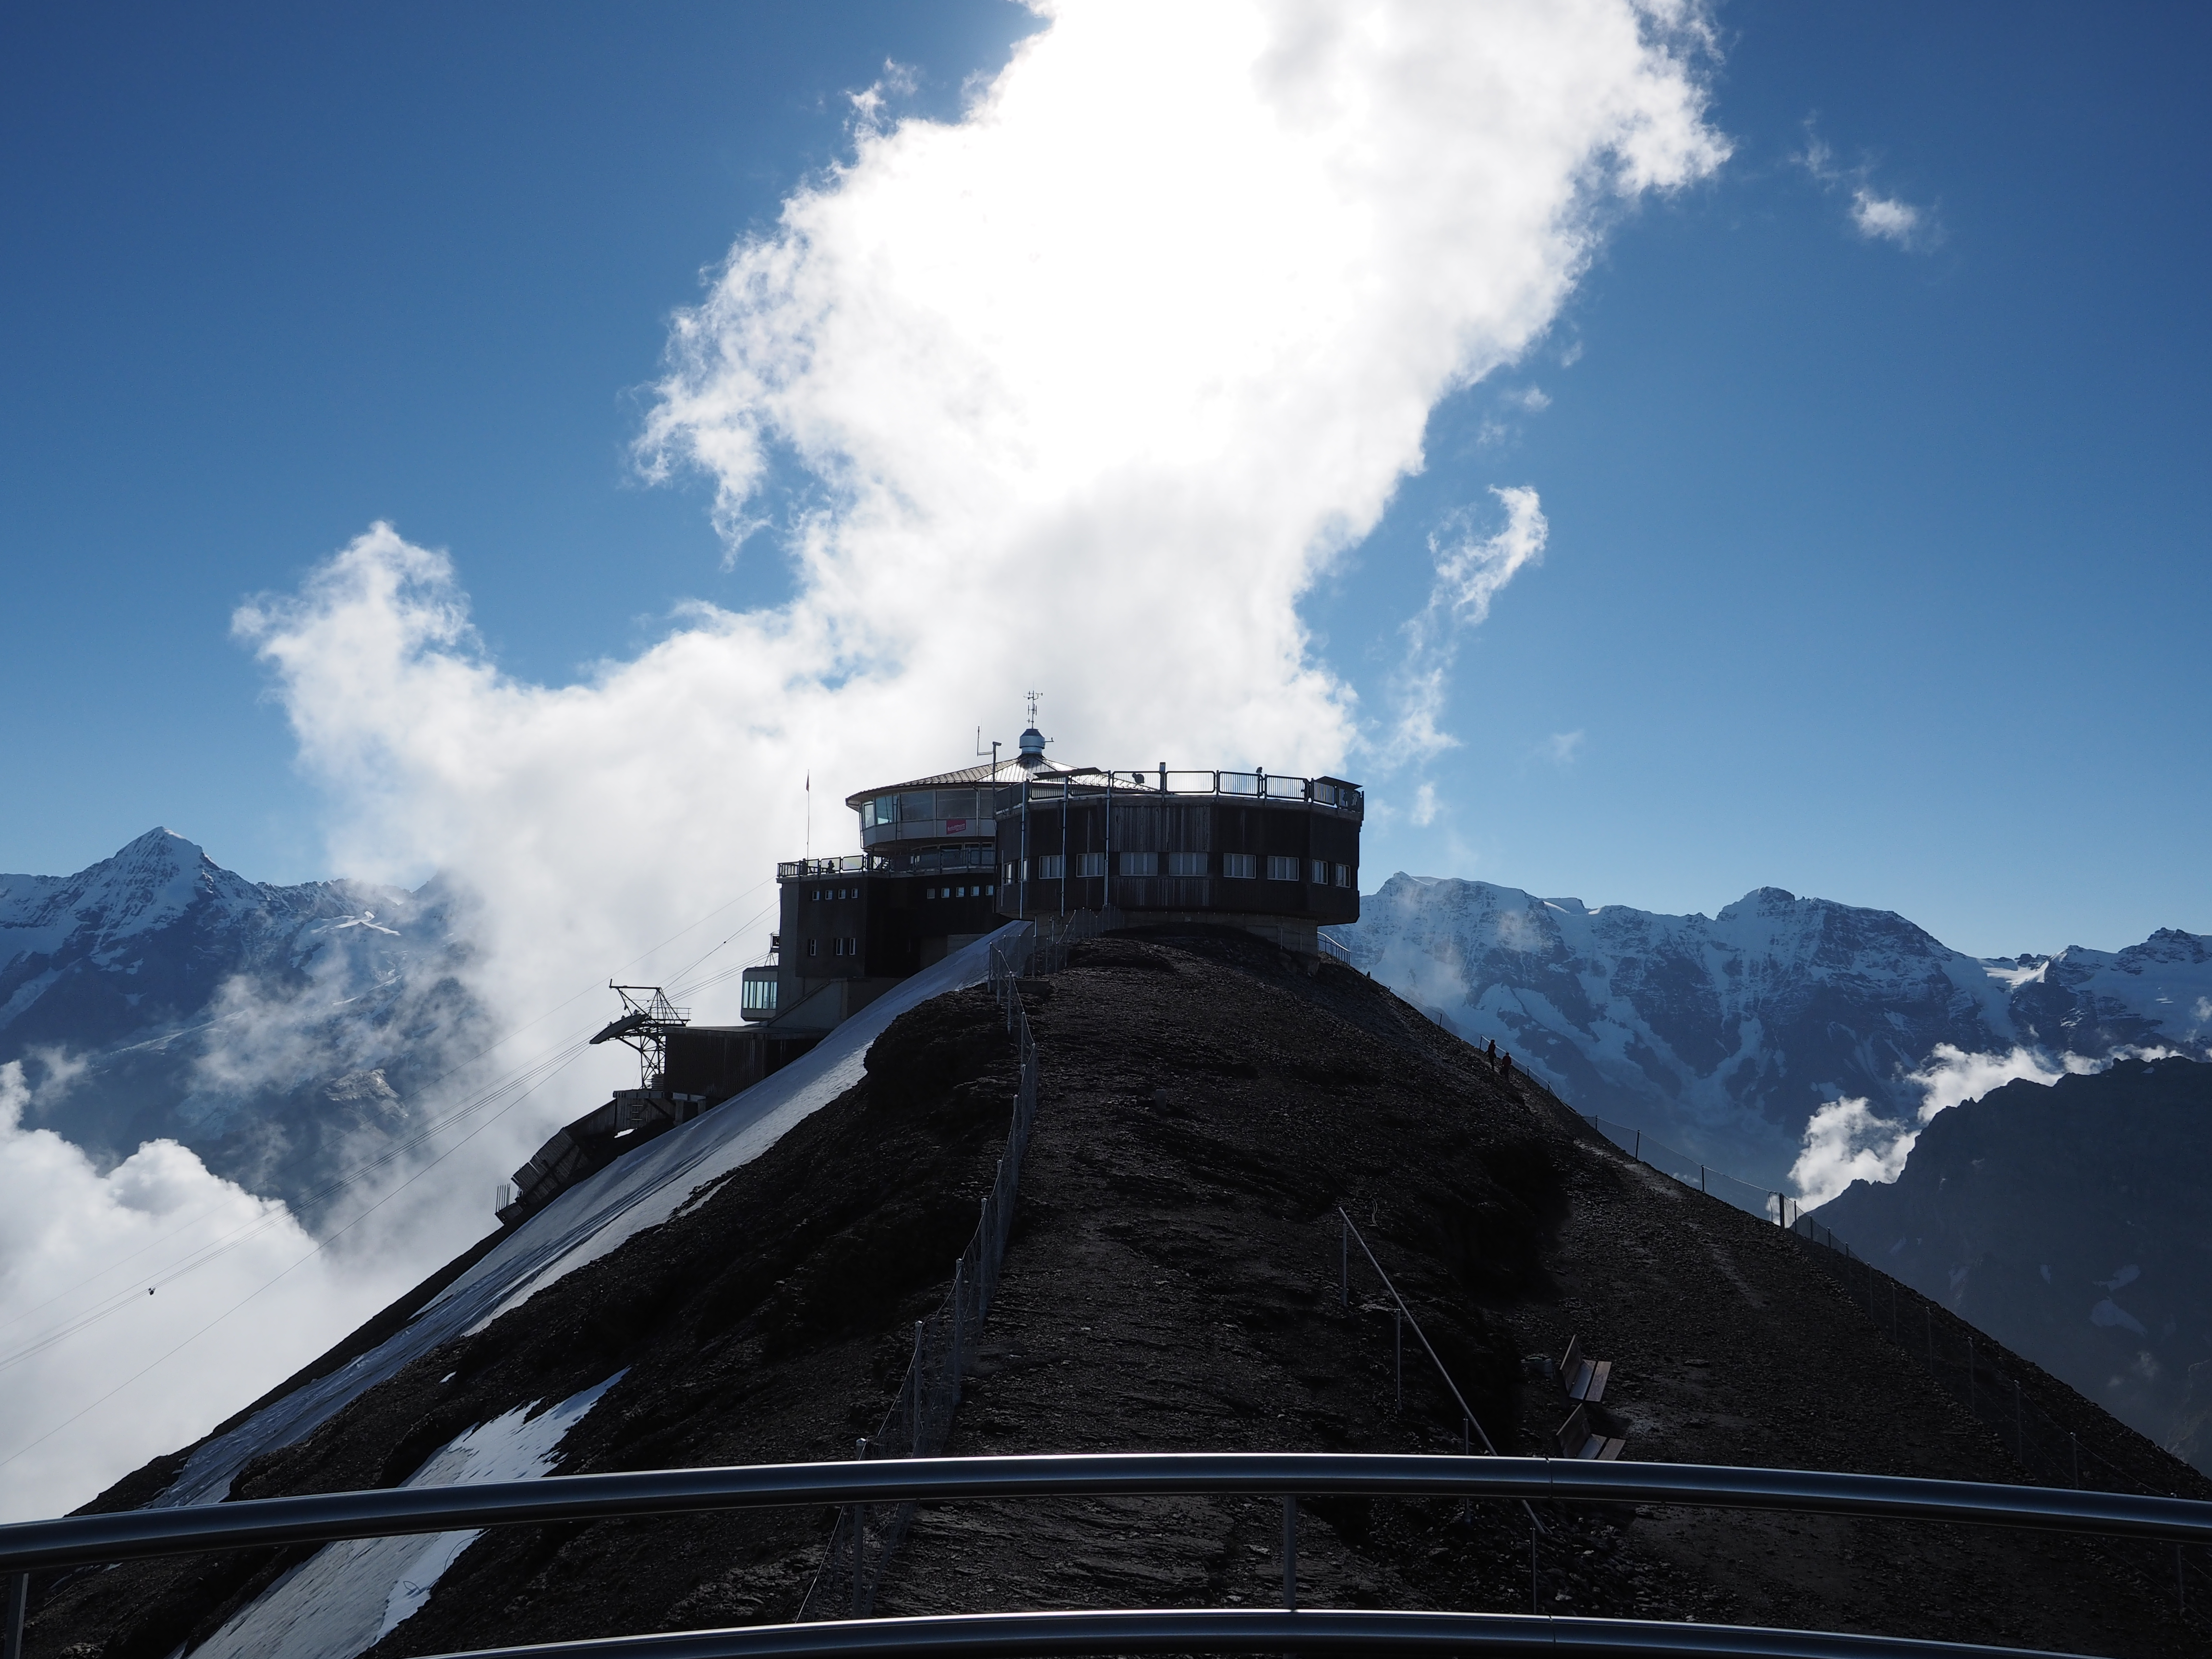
pixel 156 994
pixel 1725 1034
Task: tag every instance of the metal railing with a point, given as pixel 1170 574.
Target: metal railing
pixel 1236 1630
pixel 79 1540
pixel 390 1512
pixel 1331 793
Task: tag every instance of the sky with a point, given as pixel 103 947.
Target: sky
pixel 1869 459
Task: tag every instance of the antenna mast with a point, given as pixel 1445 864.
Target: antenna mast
pixel 646 1018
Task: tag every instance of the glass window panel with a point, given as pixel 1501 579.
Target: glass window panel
pixel 1239 867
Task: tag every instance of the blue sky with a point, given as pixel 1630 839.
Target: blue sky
pixel 1874 570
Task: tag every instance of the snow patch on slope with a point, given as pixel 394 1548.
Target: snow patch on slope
pixel 349 1596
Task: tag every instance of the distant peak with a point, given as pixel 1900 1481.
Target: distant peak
pixel 161 842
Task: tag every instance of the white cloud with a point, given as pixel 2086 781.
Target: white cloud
pixel 1875 216
pixel 1425 804
pixel 79 1252
pixel 1884 217
pixel 1845 1141
pixel 1562 749
pixel 1471 571
pixel 1089 386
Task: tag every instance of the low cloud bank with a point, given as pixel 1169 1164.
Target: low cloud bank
pixel 79 1252
pixel 1847 1141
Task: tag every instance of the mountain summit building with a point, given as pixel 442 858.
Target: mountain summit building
pixel 948 858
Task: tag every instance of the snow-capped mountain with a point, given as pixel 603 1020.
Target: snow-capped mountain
pixel 156 993
pixel 2073 1222
pixel 1724 1033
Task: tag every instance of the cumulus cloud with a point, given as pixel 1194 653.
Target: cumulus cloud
pixel 1471 570
pixel 237 1295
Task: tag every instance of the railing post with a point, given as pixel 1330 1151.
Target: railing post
pixel 1344 1263
pixel 1291 1554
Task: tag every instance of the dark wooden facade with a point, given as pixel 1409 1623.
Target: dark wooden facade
pixel 1232 853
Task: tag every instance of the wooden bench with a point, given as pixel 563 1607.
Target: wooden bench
pixel 1575 1439
pixel 1583 1379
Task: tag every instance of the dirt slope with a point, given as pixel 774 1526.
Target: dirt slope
pixel 1173 1284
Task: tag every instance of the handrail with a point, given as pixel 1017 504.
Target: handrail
pixel 1254 1630
pixel 72 1540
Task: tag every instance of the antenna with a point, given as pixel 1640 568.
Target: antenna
pixel 995 752
pixel 1034 697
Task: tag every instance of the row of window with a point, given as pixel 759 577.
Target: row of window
pixel 821 894
pixel 1235 867
pixel 926 807
pixel 987 890
pixel 846 946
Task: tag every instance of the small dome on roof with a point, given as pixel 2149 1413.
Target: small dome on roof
pixel 1033 743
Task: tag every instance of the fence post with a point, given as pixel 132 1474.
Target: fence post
pixel 1638 1153
pixel 1397 1352
pixel 914 1399
pixel 957 1265
pixel 1291 1554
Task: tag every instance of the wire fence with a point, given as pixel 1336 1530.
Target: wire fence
pixel 1961 1358
pixel 867 1535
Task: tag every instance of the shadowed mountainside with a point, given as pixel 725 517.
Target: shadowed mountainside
pixel 1207 1101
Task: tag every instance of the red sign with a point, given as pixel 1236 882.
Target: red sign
pixel 956 826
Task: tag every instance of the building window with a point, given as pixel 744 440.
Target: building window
pixel 1281 869
pixel 1010 871
pixel 1049 867
pixel 1239 867
pixel 1140 864
pixel 1186 864
pixel 1319 876
pixel 1091 864
pixel 1344 875
pixel 991 889
pixel 814 947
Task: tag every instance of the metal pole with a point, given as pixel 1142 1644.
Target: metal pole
pixel 2075 1446
pixel 1344 1262
pixel 914 1400
pixel 1106 882
pixel 2019 1434
pixel 956 1266
pixel 1535 1603
pixel 1291 1554
pixel 1398 1349
pixel 1063 847
pixel 1638 1153
pixel 1023 891
pixel 19 1602
pixel 1973 1399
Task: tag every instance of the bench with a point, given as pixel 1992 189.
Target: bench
pixel 1583 1379
pixel 1575 1439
